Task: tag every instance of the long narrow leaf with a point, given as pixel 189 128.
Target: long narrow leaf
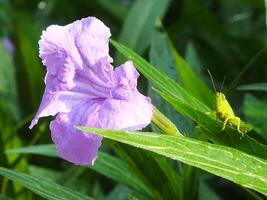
pixel 161 57
pixel 254 86
pixel 235 82
pixel 213 126
pixel 191 81
pixel 105 164
pixel 241 168
pixel 115 7
pixel 47 189
pixel 139 23
pixel 191 107
pixel 166 185
pixel 159 79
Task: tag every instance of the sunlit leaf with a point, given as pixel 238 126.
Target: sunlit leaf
pixel 191 80
pixel 159 79
pixel 241 168
pixel 160 55
pixel 188 105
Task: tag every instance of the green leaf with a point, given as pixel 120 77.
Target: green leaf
pixel 47 173
pixel 213 126
pixel 205 192
pixel 139 24
pixel 2 197
pixel 42 187
pixel 120 192
pixel 8 88
pixel 45 150
pixel 166 181
pixel 70 175
pixel 9 140
pixel 161 57
pixel 192 58
pixel 239 167
pixel 255 112
pixel 265 1
pixel 188 105
pixel 31 73
pixel 235 82
pixel 166 185
pixel 73 181
pixel 159 79
pixel 108 165
pixel 254 86
pixel 115 7
pixel 191 80
pixel 105 164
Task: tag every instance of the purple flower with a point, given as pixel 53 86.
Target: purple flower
pixel 8 45
pixel 83 89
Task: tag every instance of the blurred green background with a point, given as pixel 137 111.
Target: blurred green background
pixel 225 37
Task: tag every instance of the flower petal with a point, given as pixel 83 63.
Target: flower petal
pixel 82 89
pixel 75 55
pixel 81 85
pixel 73 145
pixel 133 114
pixel 78 44
pixel 91 39
pixel 126 75
pixel 128 109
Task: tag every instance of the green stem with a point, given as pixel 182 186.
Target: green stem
pixel 4 185
pixel 241 73
pixel 164 124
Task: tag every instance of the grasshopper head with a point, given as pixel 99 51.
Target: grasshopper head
pixel 219 100
pixel 219 96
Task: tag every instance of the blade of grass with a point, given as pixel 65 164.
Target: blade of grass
pixel 234 83
pixel 8 88
pixel 255 112
pixel 191 107
pixel 159 79
pixel 213 126
pixel 42 187
pixel 190 79
pixel 105 164
pixel 254 87
pixel 239 167
pixel 139 24
pixel 30 79
pixel 161 57
pixel 166 185
pixel 115 7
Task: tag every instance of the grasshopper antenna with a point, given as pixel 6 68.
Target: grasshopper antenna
pixel 214 88
pixel 222 84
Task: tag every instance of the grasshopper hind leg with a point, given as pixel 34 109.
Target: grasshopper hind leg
pixel 235 122
pixel 238 126
pixel 225 122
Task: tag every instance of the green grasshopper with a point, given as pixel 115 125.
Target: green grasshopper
pixel 225 112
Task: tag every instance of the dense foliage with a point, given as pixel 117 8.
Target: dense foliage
pixel 172 44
